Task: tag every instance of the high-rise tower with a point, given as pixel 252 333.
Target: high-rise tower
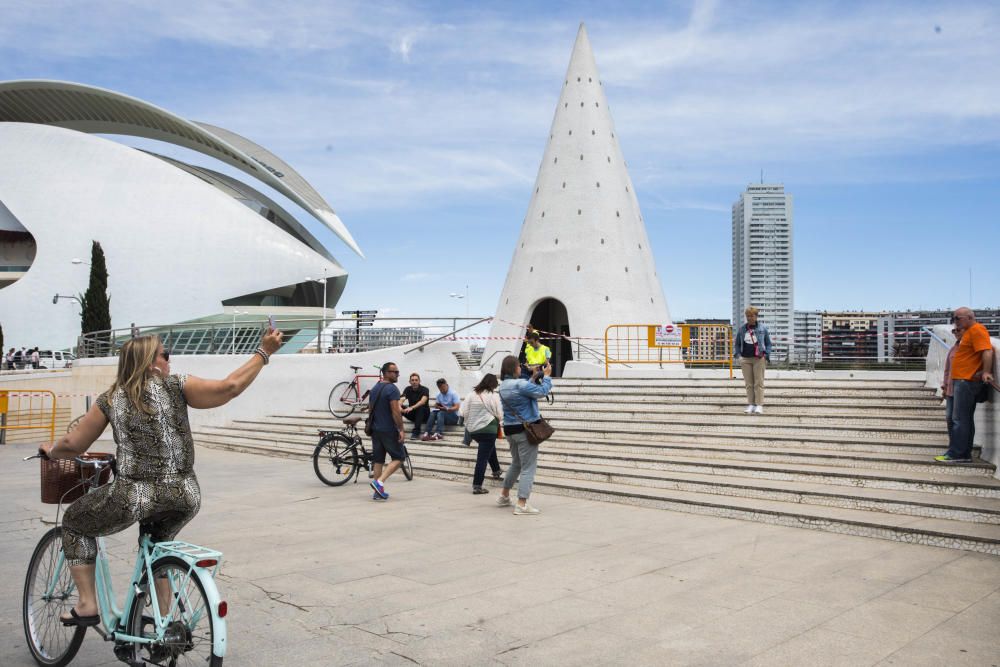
pixel 762 261
pixel 583 259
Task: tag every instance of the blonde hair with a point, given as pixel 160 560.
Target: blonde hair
pixel 135 361
pixel 751 310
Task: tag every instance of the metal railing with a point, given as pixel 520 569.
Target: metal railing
pixel 451 335
pixel 27 409
pixel 690 345
pixel 305 336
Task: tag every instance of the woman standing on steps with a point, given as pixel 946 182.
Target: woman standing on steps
pixel 520 404
pixel 753 348
pixel 483 414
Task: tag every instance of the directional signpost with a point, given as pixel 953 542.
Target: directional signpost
pixel 363 318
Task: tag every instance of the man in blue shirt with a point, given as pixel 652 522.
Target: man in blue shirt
pixel 445 412
pixel 388 434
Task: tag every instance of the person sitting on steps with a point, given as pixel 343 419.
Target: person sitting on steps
pixel 445 411
pixel 417 408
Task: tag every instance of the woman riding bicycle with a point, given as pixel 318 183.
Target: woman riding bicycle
pixel 155 483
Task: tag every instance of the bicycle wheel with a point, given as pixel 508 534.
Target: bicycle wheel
pixel 407 465
pixel 51 643
pixel 190 629
pixel 335 460
pixel 342 398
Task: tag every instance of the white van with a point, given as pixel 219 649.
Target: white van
pixel 55 359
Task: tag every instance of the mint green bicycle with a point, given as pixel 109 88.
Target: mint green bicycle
pixel 179 620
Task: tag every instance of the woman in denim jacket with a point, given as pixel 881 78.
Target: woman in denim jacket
pixel 520 404
pixel 753 349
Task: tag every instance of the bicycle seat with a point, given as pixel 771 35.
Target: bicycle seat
pixel 355 369
pixel 352 420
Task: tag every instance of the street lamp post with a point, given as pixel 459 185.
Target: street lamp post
pixel 56 298
pixel 232 342
pixel 322 330
pixel 456 295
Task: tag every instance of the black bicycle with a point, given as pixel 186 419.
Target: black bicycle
pixel 340 455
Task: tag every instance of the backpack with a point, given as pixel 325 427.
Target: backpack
pixel 370 419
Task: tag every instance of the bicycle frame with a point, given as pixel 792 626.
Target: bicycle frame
pixel 355 388
pixel 202 563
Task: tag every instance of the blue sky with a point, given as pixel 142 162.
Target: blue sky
pixel 423 124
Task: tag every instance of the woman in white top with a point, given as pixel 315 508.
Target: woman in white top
pixel 483 414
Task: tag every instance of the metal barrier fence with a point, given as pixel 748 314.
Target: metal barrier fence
pixel 687 344
pixel 27 409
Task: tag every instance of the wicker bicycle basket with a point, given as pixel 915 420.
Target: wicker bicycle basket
pixel 61 478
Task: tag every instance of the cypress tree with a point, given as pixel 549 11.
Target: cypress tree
pixel 96 308
pixel 1 339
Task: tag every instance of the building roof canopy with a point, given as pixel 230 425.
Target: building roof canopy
pixel 99 111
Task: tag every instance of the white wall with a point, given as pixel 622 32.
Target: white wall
pixel 292 383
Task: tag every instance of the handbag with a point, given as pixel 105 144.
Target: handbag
pixel 985 392
pixel 536 432
pixel 539 431
pixel 370 419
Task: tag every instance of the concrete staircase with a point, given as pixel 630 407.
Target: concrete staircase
pixel 847 456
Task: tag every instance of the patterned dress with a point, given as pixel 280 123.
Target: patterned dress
pixel 155 485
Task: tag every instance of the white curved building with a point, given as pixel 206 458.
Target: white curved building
pixel 583 259
pixel 181 241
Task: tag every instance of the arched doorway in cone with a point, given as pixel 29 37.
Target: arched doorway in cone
pixel 550 317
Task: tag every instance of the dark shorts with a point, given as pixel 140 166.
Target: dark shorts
pixel 386 442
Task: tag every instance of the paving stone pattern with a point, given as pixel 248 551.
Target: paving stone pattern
pixel 436 576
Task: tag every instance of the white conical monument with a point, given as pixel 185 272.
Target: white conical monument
pixel 583 259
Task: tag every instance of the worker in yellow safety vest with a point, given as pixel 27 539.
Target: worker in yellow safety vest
pixel 536 356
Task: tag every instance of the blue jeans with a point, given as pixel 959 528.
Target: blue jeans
pixel 949 403
pixel 523 463
pixel 487 454
pixel 963 411
pixel 438 420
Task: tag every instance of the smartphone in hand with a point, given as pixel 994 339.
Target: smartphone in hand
pixel 270 322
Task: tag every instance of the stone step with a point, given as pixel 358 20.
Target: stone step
pixel 934 423
pixel 777 383
pixel 957 479
pixel 734 400
pixel 764 438
pixel 982 537
pixel 607 435
pixel 958 508
pixel 912 459
pixel 743 425
pixel 932 418
pixel 732 453
pixel 770 393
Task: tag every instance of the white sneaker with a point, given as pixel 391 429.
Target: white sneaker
pixel 526 510
pixel 503 501
pixel 758 409
pixel 749 410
